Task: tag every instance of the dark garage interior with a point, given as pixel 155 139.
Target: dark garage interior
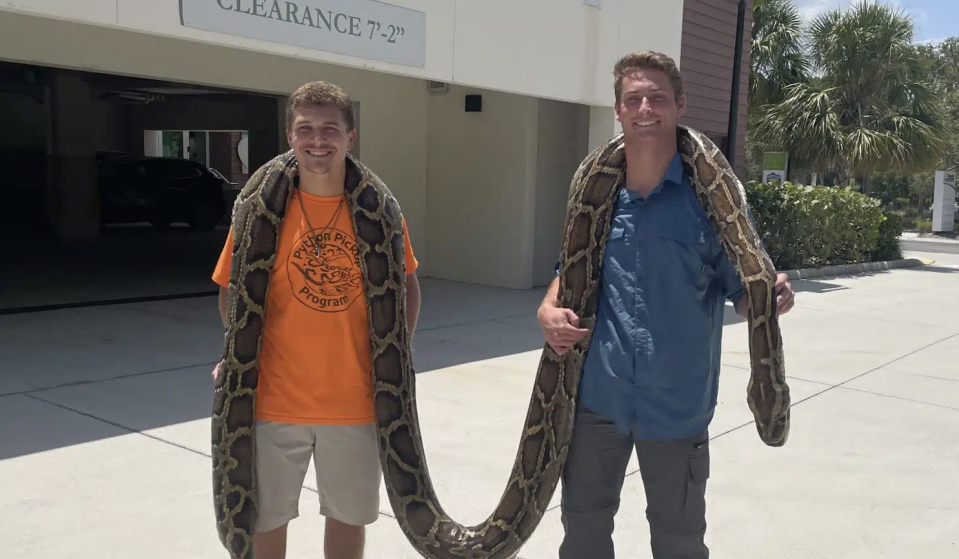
pixel 117 189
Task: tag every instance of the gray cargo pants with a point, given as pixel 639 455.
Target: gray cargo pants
pixel 674 476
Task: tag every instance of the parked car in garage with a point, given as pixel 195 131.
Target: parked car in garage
pixel 161 191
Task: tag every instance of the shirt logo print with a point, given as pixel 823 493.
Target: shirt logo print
pixel 330 282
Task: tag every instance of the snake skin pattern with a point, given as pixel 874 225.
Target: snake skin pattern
pixel 547 430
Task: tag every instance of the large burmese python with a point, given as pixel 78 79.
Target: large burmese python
pixel 546 433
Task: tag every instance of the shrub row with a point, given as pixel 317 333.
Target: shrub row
pixel 812 226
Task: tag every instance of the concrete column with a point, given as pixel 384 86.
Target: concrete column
pixel 484 165
pixel 74 204
pixel 153 143
pixel 602 126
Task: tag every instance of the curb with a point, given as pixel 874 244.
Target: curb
pixel 859 268
pixel 927 238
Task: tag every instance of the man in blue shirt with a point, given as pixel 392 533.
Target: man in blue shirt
pixel 652 370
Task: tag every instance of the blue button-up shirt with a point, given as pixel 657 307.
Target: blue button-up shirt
pixel 653 363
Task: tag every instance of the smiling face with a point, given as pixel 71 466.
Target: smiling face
pixel 320 127
pixel 320 138
pixel 649 96
pixel 648 108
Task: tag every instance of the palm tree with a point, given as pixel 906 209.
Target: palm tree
pixel 942 65
pixel 867 109
pixel 776 55
pixel 776 60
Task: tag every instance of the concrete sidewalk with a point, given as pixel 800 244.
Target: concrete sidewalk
pixel 104 430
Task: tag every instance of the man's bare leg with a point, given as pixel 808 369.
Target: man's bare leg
pixel 342 541
pixel 270 545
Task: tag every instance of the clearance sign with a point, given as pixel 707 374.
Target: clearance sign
pixel 362 28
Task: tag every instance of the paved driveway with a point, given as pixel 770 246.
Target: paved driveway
pixel 104 436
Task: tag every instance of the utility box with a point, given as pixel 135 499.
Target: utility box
pixel 944 202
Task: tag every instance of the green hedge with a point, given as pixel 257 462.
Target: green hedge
pixel 812 226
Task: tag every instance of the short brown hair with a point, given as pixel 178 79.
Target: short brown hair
pixel 647 60
pixel 321 94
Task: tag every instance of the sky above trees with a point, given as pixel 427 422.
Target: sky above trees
pixel 934 19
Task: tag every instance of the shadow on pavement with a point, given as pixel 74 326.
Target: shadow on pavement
pixel 76 376
pixel 816 286
pixel 68 416
pixel 938 269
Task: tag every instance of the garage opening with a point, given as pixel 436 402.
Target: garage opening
pixel 119 189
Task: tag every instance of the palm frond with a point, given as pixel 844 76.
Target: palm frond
pixel 870 107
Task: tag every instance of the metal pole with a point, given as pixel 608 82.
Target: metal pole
pixel 732 132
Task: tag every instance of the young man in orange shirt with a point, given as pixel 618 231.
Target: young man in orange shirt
pixel 314 396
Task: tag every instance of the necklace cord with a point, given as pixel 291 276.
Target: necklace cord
pixel 313 232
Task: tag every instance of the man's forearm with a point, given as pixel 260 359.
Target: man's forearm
pixel 222 305
pixel 412 301
pixel 552 294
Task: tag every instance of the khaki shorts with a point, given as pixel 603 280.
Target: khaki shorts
pixel 347 467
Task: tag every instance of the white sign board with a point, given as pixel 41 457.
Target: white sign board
pixel 363 28
pixel 944 202
pixel 769 176
pixel 774 166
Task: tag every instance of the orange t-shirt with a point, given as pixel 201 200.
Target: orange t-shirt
pixel 315 356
